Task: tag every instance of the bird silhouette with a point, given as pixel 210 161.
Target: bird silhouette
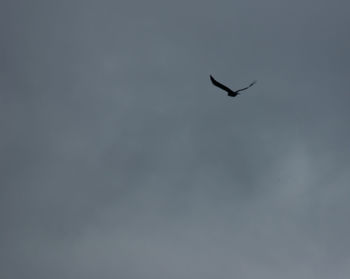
pixel 230 92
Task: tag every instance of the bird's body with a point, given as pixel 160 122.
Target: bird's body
pixel 230 92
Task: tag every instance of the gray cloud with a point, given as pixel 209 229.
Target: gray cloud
pixel 119 158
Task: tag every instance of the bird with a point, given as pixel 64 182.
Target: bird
pixel 230 92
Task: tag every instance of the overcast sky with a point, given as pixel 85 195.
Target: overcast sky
pixel 119 159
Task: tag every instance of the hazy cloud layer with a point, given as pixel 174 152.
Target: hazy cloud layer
pixel 119 159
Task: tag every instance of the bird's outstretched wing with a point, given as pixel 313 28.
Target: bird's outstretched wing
pixel 245 88
pixel 220 85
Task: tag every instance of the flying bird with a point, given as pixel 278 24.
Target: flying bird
pixel 230 92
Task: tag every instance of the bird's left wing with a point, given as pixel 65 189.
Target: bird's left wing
pixel 220 85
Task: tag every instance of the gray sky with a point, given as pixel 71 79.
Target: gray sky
pixel 119 159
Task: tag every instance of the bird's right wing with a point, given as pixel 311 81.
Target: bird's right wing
pixel 220 85
pixel 245 88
